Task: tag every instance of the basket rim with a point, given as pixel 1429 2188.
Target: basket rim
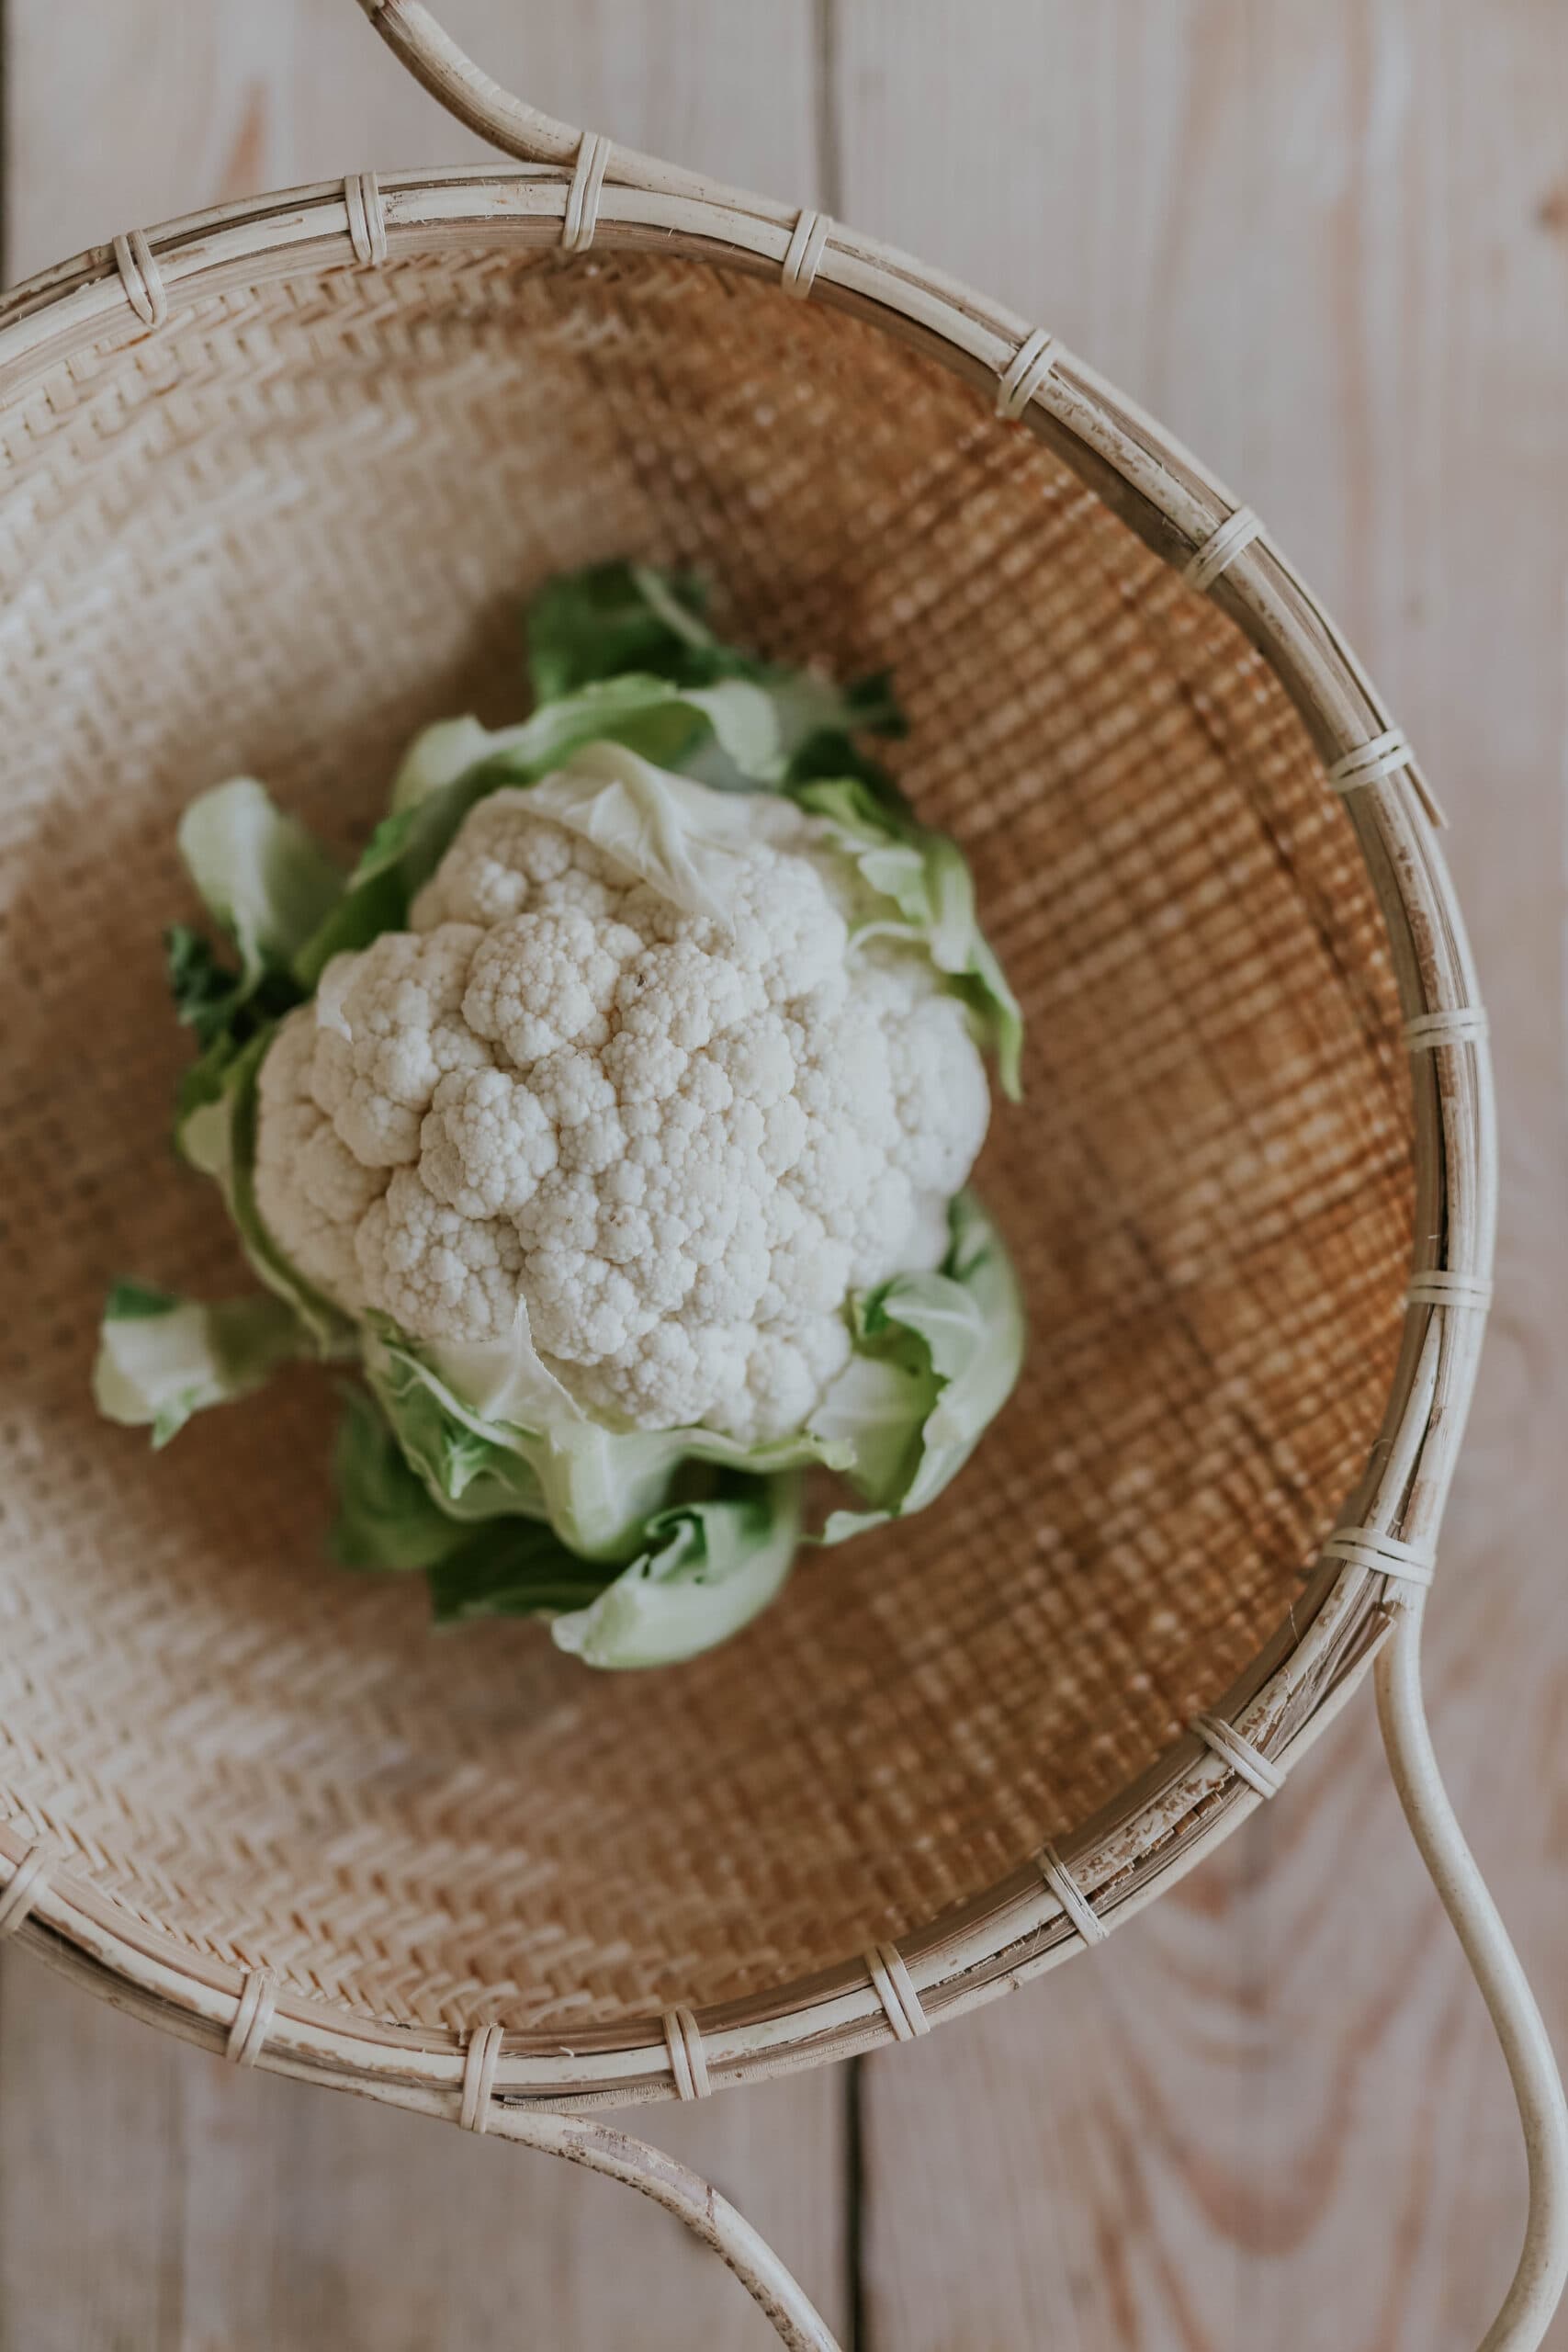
pixel 1194 1794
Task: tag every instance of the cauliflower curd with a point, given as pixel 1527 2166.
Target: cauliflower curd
pixel 678 1140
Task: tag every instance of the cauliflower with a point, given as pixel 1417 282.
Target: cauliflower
pixel 679 1142
pixel 614 1117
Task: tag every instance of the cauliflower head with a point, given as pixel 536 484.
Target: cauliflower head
pixel 646 1065
pixel 613 1117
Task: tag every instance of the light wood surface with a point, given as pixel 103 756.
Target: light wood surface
pixel 1330 249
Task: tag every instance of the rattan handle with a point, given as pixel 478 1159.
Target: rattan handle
pixel 434 60
pixel 1539 2280
pixel 715 2223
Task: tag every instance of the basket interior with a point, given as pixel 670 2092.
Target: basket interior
pixel 278 536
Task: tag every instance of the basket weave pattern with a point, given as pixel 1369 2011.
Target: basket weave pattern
pixel 279 536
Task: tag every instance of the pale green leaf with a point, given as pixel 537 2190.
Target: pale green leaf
pixel 261 875
pixel 684 839
pixel 925 879
pixel 709 1568
pixel 597 1486
pixel 160 1358
pixel 937 1355
pixel 217 1137
pixel 438 757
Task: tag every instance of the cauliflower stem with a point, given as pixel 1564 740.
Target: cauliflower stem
pixel 614 1118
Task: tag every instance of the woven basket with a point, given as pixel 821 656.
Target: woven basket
pixel 276 475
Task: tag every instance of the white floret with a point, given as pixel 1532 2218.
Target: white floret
pixel 506 859
pixel 679 1142
pixel 540 981
pixel 936 1079
pixel 485 1143
pixel 439 1273
pixel 391 1027
pixel 311 1190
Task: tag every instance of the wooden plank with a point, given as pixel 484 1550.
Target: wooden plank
pixel 149 2196
pixel 121 116
pixel 1330 247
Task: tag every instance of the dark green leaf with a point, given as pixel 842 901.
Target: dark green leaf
pixel 374 902
pixel 831 757
pixel 871 704
pixel 205 990
pixel 584 626
pixel 131 1302
pixel 386 1517
pixel 512 1567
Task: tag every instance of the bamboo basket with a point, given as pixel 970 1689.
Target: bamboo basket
pixel 274 473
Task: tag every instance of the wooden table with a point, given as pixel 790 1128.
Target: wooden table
pixel 1328 244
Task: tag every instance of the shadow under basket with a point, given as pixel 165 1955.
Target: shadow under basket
pixel 274 483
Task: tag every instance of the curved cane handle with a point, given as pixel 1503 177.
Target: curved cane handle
pixel 1538 2282
pixel 710 2217
pixel 434 60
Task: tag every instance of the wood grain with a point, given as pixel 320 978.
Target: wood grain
pixel 1329 248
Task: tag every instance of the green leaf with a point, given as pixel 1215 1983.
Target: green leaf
pixel 620 654
pixel 269 886
pixel 224 1007
pixel 161 1358
pixel 832 758
pixel 386 1519
pixel 925 879
pixel 620 773
pixel 133 1302
pixel 601 1485
pixel 511 1569
pixel 877 1407
pixel 584 626
pixel 870 704
pixel 261 877
pixel 201 1122
pixel 431 800
pixel 936 1358
pixel 471 1475
pixel 615 617
pixel 205 991
pixel 708 1569
pixel 438 757
pixel 215 1132
pixel 480 1565
pixel 533 1448
pixel 686 840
